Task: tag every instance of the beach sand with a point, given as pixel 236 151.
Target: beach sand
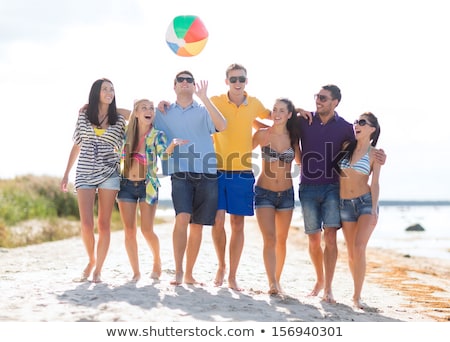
pixel 36 286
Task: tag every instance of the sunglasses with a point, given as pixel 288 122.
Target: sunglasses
pixel 234 79
pixel 322 98
pixel 180 79
pixel 362 122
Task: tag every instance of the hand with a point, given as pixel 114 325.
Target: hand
pixel 178 141
pixel 200 90
pixel 380 156
pixel 175 142
pixel 63 185
pixel 83 109
pixel 162 106
pixel 304 114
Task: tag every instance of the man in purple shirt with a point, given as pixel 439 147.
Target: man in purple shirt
pixel 321 143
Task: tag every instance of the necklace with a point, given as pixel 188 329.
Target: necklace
pixel 102 120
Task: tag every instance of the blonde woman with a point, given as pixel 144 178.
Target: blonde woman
pixel 359 193
pixel 139 183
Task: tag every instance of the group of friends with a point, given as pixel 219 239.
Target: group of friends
pixel 206 149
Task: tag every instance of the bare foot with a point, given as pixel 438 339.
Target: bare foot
pixel 136 278
pixel 357 304
pixel 178 279
pixel 316 290
pixel 191 281
pixel 85 275
pixel 220 275
pixel 273 291
pixel 156 273
pixel 81 279
pixel 96 278
pixel 232 284
pixel 328 298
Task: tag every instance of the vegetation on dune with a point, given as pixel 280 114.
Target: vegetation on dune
pixel 33 209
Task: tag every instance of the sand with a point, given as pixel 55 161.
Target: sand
pixel 36 286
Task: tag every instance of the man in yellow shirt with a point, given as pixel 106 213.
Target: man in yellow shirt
pixel 236 180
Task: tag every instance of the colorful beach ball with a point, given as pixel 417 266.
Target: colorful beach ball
pixel 186 35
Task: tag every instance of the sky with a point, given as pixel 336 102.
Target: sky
pixel 387 57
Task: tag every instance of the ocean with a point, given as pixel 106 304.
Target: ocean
pixel 390 232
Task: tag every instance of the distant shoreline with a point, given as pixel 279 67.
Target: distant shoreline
pixel 167 203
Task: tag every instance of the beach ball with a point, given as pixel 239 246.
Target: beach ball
pixel 186 35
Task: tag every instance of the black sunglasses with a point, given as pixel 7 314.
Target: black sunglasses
pixel 234 79
pixel 362 122
pixel 322 98
pixel 180 79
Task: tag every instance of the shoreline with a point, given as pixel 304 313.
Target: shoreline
pixel 36 286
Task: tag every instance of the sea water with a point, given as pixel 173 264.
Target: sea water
pixel 390 232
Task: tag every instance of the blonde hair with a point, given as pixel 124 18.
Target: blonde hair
pixel 132 136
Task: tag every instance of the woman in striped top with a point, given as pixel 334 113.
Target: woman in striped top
pixel 98 139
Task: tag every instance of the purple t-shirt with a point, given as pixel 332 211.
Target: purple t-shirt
pixel 320 146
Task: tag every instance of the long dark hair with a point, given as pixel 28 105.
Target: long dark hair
pixel 94 100
pixel 291 123
pixel 371 121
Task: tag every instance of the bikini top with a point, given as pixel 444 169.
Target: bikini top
pixel 139 157
pixel 270 155
pixel 362 165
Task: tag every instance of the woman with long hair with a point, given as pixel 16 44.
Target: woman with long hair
pixel 139 184
pixel 98 139
pixel 359 193
pixel 274 192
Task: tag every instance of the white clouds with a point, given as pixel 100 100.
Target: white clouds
pixel 386 57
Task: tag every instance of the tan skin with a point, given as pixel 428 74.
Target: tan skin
pixel 354 184
pixel 324 260
pixel 86 200
pixel 145 114
pixel 237 95
pixel 182 242
pixel 275 176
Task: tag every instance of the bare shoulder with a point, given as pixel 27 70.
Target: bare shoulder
pixel 260 135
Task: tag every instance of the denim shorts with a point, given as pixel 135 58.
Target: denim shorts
pixel 320 206
pixel 236 192
pixel 279 200
pixel 132 191
pixel 195 194
pixel 112 183
pixel 352 209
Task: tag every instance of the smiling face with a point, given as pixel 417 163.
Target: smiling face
pixel 325 104
pixel 236 80
pixel 363 127
pixel 145 111
pixel 184 84
pixel 280 113
pixel 106 93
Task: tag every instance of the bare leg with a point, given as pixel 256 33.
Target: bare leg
pixel 266 222
pixel 147 220
pixel 329 257
pixel 193 247
pixel 220 241
pixel 283 223
pixel 179 239
pixel 316 255
pixel 365 226
pixel 86 199
pixel 106 200
pixel 236 247
pixel 128 214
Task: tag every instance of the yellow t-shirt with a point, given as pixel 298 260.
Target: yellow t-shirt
pixel 233 145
